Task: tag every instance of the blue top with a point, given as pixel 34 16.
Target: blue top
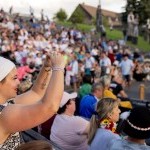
pixel 122 144
pixel 87 106
pixel 102 139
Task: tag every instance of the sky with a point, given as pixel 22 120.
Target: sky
pixel 52 6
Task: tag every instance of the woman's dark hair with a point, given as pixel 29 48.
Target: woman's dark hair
pixel 62 109
pixel 35 145
pixel 87 79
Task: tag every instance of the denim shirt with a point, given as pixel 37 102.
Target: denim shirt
pixel 102 139
pixel 122 144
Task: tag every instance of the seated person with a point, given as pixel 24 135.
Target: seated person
pixel 85 87
pixel 138 73
pixel 103 124
pixel 137 129
pixel 116 86
pixel 88 102
pixel 22 71
pixel 108 93
pixel 69 132
pixel 106 83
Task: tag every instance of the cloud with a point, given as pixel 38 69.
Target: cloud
pixel 51 7
pixel 114 5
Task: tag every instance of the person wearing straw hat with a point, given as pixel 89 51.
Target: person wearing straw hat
pixel 137 129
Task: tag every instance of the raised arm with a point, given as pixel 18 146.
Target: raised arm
pixel 17 117
pixel 39 86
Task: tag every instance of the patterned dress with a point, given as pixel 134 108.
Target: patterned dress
pixel 13 140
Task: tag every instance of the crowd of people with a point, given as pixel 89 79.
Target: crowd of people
pixel 39 58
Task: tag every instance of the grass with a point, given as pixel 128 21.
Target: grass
pixel 114 35
pixel 82 27
pixel 142 44
pixel 65 23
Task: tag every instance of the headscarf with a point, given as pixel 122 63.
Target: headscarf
pixel 5 67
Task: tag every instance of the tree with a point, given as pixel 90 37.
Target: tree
pixel 77 16
pixel 140 7
pixel 61 15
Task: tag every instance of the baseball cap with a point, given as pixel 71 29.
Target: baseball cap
pixel 66 97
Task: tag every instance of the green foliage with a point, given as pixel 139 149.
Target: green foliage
pixel 61 15
pixel 105 21
pixel 116 34
pixel 94 21
pixel 77 16
pixel 140 7
pixel 143 45
pixel 84 27
pixel 65 24
pixel 79 26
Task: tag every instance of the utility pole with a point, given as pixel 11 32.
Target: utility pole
pixel 99 18
pixel 100 2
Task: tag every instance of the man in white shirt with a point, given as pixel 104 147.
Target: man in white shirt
pixel 74 71
pixel 126 66
pixel 105 64
pixel 89 62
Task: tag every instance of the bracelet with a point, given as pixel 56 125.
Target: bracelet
pixel 57 69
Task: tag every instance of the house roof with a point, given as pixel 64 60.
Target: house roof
pixel 92 11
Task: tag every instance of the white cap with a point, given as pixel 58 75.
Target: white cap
pixel 5 67
pixel 66 97
pixel 116 63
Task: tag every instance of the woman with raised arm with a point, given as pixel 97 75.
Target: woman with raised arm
pixel 33 107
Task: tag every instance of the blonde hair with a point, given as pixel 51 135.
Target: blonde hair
pixel 104 107
pixel 96 86
pixel 106 80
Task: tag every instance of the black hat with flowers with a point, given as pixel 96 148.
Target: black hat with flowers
pixel 137 125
